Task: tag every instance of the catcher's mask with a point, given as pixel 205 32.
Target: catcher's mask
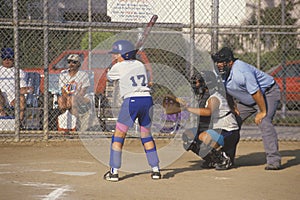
pixel 225 55
pixel 198 84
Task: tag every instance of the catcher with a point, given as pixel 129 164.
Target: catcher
pixel 216 145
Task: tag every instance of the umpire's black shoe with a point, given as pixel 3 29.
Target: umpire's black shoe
pixel 111 177
pixel 273 167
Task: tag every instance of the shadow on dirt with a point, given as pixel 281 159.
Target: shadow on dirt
pixel 253 159
pixel 194 166
pixel 259 158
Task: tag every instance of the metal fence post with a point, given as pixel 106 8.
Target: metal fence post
pixel 283 109
pixel 258 35
pixel 90 32
pixel 215 23
pixel 46 71
pixel 17 71
pixel 192 37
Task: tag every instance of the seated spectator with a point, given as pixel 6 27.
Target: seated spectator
pixel 74 85
pixel 7 84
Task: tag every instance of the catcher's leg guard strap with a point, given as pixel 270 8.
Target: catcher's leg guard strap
pixel 151 154
pixel 216 136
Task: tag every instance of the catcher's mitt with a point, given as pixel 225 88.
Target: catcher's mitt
pixel 171 105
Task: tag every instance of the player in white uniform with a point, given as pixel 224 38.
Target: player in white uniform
pixel 137 103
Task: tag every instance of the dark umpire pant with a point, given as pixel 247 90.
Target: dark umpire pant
pixel 269 135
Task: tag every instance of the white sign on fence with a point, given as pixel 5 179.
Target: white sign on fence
pixel 130 10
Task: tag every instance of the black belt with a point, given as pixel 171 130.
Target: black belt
pixel 229 112
pixel 269 88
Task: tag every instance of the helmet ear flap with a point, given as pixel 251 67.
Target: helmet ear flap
pixel 129 55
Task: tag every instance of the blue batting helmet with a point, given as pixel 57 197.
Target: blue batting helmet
pixel 125 48
pixel 7 53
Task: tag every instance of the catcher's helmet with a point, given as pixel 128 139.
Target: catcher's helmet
pixel 7 53
pixel 211 80
pixel 197 77
pixel 198 83
pixel 224 55
pixel 125 48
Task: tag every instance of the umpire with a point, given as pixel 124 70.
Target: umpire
pixel 254 92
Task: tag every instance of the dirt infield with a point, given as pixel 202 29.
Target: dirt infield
pixel 66 170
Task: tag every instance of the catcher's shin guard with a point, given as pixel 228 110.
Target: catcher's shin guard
pixel 204 150
pixel 187 142
pixel 191 141
pixel 192 145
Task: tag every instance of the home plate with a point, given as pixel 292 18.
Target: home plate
pixel 76 173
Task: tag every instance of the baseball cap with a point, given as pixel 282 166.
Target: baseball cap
pixel 73 57
pixel 224 55
pixel 7 53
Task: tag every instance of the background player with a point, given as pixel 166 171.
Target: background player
pixel 137 104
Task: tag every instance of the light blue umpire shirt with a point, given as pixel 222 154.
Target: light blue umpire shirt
pixel 244 80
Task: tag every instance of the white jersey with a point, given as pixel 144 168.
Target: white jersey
pixel 222 118
pixel 7 82
pixel 132 76
pixel 71 83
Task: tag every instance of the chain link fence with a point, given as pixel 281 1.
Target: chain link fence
pixel 44 33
